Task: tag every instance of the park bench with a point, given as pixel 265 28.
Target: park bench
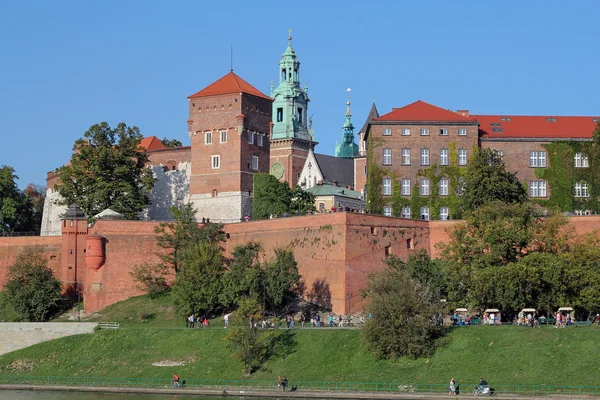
pixel 583 323
pixel 547 321
pixel 108 325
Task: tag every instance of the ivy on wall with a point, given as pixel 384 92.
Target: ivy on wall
pixel 562 175
pixel 452 172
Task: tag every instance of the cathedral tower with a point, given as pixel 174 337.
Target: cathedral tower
pixel 291 128
pixel 347 149
pixel 229 127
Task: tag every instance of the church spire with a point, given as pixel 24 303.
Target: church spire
pixel 347 149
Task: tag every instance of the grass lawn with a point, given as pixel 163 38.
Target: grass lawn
pixel 503 355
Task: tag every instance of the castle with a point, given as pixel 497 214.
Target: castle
pixel 235 131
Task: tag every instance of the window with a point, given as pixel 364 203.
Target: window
pixel 223 135
pixel 387 156
pixel 425 213
pixel 537 189
pixel 462 132
pixel 581 190
pixel 405 187
pixel 444 187
pixel 279 114
pixel 387 186
pixel 444 157
pixel 424 187
pixel 259 140
pixel 537 159
pixel 387 132
pixel 208 138
pixel 444 213
pixel 300 119
pixel 462 157
pixel 405 156
pixel 581 160
pixel 387 211
pixel 461 186
pixel 443 132
pixel 424 156
pixel 424 132
pixel 405 212
pixel 255 163
pixel 405 132
pixel 216 162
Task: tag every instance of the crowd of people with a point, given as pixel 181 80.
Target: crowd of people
pixel 195 321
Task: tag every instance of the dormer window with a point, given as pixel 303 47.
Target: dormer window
pixel 279 114
pixel 283 74
pixel 300 118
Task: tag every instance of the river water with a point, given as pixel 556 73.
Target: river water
pixel 49 395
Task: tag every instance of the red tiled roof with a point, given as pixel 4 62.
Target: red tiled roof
pixel 508 126
pixel 230 83
pixel 151 143
pixel 422 111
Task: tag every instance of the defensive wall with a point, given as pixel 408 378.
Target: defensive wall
pixel 339 249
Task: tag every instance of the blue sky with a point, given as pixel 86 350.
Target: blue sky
pixel 66 65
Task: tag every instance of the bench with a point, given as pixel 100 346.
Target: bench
pixel 547 321
pixel 108 325
pixel 583 323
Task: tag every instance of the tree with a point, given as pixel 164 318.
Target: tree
pixel 171 142
pixel 282 278
pixel 198 285
pixel 36 195
pixel 270 197
pixel 486 180
pixel 175 236
pixel 422 269
pixel 15 210
pixel 151 278
pixel 245 276
pixel 107 170
pixel 405 316
pixel 302 201
pixel 32 289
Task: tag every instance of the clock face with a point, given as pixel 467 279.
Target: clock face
pixel 277 170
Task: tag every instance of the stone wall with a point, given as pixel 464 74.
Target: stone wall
pixel 52 213
pixel 18 335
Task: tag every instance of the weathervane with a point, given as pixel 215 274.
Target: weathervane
pixel 290 34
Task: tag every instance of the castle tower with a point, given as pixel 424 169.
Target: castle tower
pixel 291 129
pixel 347 149
pixel 74 230
pixel 229 127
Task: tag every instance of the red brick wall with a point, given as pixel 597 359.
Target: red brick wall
pixel 415 142
pixel 10 247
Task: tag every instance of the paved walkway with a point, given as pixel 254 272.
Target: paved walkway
pixel 270 393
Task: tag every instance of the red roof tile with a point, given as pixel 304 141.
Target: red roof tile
pixel 508 126
pixel 230 83
pixel 151 143
pixel 420 111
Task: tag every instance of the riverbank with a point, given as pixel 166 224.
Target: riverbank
pixel 301 394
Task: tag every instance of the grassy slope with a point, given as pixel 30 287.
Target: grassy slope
pixel 509 355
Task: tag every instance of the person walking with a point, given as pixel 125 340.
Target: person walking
pixel 452 389
pixel 302 319
pixel 330 321
pixel 226 320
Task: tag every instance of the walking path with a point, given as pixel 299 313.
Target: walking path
pixel 313 394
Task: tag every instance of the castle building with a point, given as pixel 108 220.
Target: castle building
pixel 292 137
pixel 229 133
pixel 421 150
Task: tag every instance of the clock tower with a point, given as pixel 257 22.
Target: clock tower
pixel 291 128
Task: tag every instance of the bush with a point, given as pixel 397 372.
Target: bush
pixel 32 290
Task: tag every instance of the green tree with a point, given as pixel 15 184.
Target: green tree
pixel 175 236
pixel 270 197
pixel 302 201
pixel 422 269
pixel 405 316
pixel 244 278
pixel 15 209
pixel 32 289
pixel 198 285
pixel 36 196
pixel 151 278
pixel 282 278
pixel 107 170
pixel 171 142
pixel 486 180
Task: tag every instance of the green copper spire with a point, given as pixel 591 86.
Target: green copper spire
pixel 290 101
pixel 347 149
